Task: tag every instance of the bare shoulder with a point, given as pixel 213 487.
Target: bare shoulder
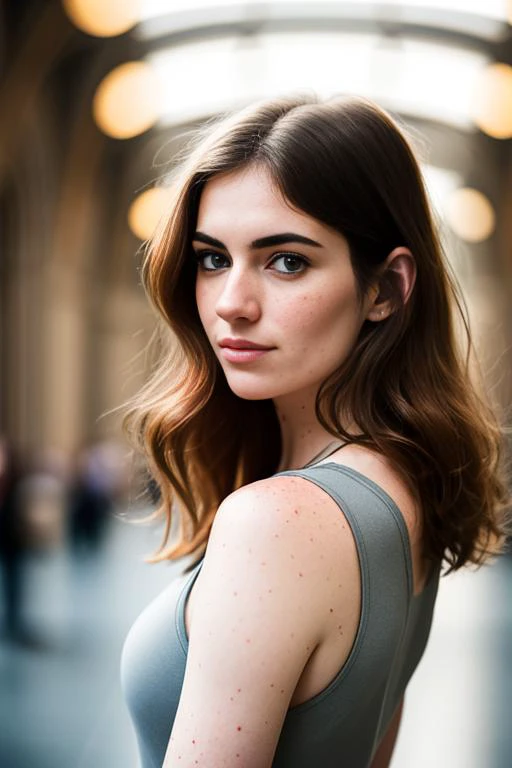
pixel 288 517
pixel 284 536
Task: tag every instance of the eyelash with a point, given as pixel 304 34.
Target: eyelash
pixel 201 255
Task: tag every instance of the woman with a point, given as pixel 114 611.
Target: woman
pixel 316 425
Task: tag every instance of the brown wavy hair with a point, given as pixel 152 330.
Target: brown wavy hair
pixel 406 382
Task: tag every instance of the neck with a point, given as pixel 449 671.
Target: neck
pixel 302 436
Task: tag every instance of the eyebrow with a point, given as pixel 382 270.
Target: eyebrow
pixel 261 242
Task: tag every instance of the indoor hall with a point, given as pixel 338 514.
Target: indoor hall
pixel 97 102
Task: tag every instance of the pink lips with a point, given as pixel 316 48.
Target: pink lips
pixel 241 344
pixel 242 350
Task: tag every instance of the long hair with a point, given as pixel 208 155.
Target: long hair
pixel 406 383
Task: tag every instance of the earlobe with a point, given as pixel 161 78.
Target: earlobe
pixel 395 284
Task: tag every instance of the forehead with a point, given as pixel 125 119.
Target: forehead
pixel 249 198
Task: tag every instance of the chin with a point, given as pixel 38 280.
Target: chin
pixel 251 393
pixel 252 390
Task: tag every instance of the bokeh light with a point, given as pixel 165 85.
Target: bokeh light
pixel 103 18
pixel 470 215
pixel 146 211
pixel 493 101
pixel 126 101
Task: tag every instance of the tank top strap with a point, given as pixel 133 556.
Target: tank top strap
pixel 379 530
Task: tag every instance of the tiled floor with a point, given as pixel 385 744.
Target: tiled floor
pixel 61 706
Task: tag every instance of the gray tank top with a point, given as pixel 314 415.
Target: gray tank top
pixel 344 723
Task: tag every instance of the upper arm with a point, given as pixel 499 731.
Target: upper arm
pixel 257 618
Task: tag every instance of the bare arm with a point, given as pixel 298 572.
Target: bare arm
pixel 384 753
pixel 260 585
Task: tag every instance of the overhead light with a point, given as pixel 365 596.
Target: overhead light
pixel 146 211
pixel 103 18
pixel 493 101
pixel 202 78
pixel 492 9
pixel 126 101
pixel 470 215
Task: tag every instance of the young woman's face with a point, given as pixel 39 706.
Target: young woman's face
pixel 273 277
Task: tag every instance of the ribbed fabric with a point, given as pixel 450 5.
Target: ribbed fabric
pixel 344 723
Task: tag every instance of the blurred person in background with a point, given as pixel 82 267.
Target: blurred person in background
pixel 95 485
pixel 32 511
pixel 12 542
pixel 315 425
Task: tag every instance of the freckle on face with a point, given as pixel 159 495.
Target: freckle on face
pixel 319 314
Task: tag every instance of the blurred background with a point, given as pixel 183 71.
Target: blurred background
pixel 96 99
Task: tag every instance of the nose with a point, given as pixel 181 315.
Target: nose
pixel 239 298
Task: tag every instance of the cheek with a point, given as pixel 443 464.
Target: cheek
pixel 324 316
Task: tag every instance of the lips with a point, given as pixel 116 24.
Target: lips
pixel 241 344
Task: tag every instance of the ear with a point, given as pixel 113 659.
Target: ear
pixel 393 286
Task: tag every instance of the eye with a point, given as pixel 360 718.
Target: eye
pixel 291 263
pixel 210 261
